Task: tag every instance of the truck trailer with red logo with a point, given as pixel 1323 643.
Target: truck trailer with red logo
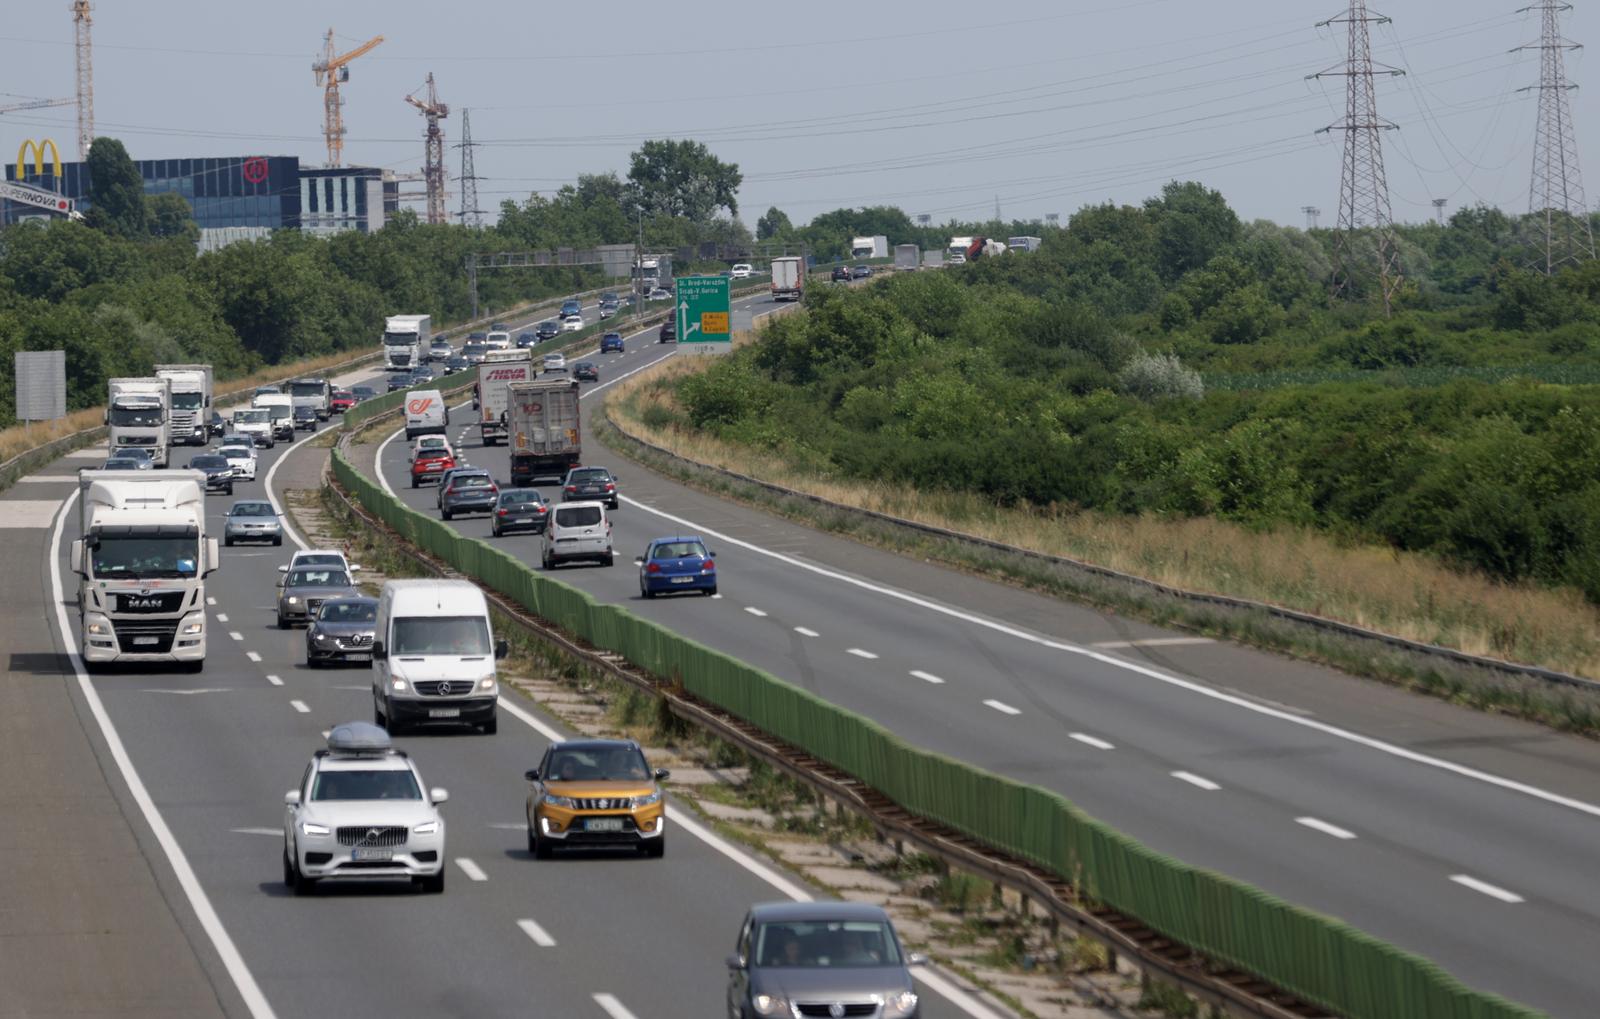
pixel 500 368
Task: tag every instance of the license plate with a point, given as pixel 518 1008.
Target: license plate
pixel 372 854
pixel 683 580
pixel 146 640
pixel 444 712
pixel 603 824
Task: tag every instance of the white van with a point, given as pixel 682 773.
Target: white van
pixel 434 654
pixel 280 413
pixel 426 413
pixel 578 530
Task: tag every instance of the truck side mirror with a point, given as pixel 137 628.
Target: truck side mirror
pixel 213 555
pixel 379 651
pixel 77 556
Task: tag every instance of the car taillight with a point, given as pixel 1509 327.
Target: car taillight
pixel 572 488
pixel 611 488
pixel 449 490
pixel 653 568
pixel 708 566
pixel 500 513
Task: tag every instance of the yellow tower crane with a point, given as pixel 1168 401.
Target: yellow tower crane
pixel 331 71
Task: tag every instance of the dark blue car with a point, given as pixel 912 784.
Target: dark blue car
pixel 677 564
pixel 612 342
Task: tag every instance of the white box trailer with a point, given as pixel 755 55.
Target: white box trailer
pixel 500 368
pixel 788 278
pixel 869 247
pixel 907 256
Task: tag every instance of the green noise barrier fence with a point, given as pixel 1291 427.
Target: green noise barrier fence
pixel 1315 957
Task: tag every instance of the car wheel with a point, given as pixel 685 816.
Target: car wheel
pixel 542 849
pixel 377 717
pixel 711 592
pixel 278 540
pixel 230 489
pixel 311 662
pixel 227 541
pixel 609 560
pixel 495 530
pixel 433 884
pixel 413 482
pixel 492 726
pixel 288 871
pixel 446 514
pixel 283 624
pixel 546 563
pixel 645 592
pixel 656 848
pixel 533 842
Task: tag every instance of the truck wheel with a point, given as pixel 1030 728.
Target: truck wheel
pixel 194 667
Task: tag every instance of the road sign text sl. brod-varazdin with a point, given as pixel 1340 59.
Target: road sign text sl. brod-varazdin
pixel 704 316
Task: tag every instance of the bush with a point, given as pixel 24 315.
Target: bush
pixel 1155 376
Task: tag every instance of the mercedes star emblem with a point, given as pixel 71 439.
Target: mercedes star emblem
pixel 444 689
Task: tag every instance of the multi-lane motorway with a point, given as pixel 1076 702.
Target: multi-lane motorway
pixel 208 758
pixel 1460 836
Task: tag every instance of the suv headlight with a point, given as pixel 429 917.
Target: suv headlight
pixel 903 1003
pixel 313 828
pixel 426 828
pixel 767 1004
pixel 558 801
pixel 648 800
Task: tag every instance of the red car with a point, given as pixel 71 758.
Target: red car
pixel 341 401
pixel 430 464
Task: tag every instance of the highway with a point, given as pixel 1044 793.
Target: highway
pixel 1461 836
pixel 209 756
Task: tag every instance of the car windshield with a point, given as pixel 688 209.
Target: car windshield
pixel 387 784
pixel 203 462
pixel 578 516
pixel 678 550
pixel 591 475
pixel 304 412
pixel 318 578
pixel 127 557
pixel 251 509
pixel 236 449
pixel 319 559
pixel 473 349
pixel 826 944
pixel 278 413
pixel 602 764
pixel 137 417
pixel 441 635
pixel 363 392
pixel 348 612
pixel 123 461
pixel 342 394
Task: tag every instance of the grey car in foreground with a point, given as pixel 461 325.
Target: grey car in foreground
pixel 306 588
pixel 252 520
pixel 820 959
pixel 342 630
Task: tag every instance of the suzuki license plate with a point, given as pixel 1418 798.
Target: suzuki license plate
pixel 603 824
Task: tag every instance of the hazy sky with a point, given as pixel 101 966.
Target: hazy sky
pixel 934 105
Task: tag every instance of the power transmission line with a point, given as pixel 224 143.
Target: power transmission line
pixel 1557 188
pixel 470 214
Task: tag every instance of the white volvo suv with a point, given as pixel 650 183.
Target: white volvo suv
pixel 361 812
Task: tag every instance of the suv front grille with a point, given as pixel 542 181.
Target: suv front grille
pixel 153 638
pixel 604 803
pixel 359 640
pixel 375 836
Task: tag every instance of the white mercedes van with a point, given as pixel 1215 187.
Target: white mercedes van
pixel 426 413
pixel 433 656
pixel 577 531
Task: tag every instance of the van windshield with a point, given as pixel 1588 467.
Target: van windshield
pixel 441 635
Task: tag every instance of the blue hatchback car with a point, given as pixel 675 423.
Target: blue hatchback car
pixel 611 342
pixel 677 564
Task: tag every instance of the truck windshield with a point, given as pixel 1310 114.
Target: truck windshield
pixel 441 635
pixel 399 339
pixel 309 389
pixel 188 401
pixel 136 417
pixel 122 557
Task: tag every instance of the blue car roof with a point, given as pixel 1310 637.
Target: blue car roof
pixel 682 537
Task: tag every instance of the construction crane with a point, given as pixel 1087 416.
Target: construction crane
pixel 332 71
pixel 433 153
pixel 37 104
pixel 83 53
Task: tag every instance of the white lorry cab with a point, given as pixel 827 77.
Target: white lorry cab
pixel 404 339
pixel 138 413
pixel 434 655
pixel 426 413
pixel 314 393
pixel 191 402
pixel 141 559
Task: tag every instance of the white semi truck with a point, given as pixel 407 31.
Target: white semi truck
pixel 142 559
pixel 314 393
pixel 405 337
pixel 190 423
pixel 138 413
pixel 499 369
pixel 869 247
pixel 907 256
pixel 788 278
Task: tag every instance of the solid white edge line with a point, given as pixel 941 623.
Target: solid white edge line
pixel 1493 891
pixel 277 507
pixel 471 869
pixel 1002 707
pixel 927 677
pixel 1195 780
pixel 538 934
pixel 613 1007
pixel 1191 686
pixel 1325 828
pixel 301 706
pixel 210 922
pixel 859 653
pixel 1093 741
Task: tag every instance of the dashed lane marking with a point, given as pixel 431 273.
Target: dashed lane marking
pixel 472 870
pixel 859 653
pixel 1325 828
pixel 301 707
pixel 1002 707
pixel 538 934
pixel 1093 741
pixel 1196 781
pixel 1493 891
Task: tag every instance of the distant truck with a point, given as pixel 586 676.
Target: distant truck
pixel 142 558
pixel 907 256
pixel 314 393
pixel 500 368
pixel 1024 243
pixel 404 339
pixel 958 246
pixel 543 429
pixel 983 247
pixel 138 413
pixel 190 421
pixel 932 259
pixel 652 271
pixel 788 278
pixel 869 247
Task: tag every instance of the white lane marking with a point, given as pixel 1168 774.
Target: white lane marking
pixel 1153 642
pixel 301 707
pixel 1093 741
pixel 210 600
pixel 222 617
pixel 274 680
pixel 1195 780
pixel 754 611
pixel 189 693
pixel 802 631
pixel 860 653
pixel 326 733
pixel 235 635
pixel 927 677
pixel 471 869
pixel 716 597
pixel 613 1007
pixel 210 922
pixel 1493 891
pixel 252 656
pixel 275 832
pixel 538 934
pixel 1325 828
pixel 1191 686
pixel 277 507
pixel 1002 707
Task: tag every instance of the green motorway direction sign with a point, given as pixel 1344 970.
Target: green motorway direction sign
pixel 704 316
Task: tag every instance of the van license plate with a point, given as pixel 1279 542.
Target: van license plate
pixel 444 712
pixel 603 824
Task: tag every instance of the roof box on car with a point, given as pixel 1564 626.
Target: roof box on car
pixel 359 738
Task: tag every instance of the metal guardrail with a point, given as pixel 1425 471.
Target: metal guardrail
pixel 1304 619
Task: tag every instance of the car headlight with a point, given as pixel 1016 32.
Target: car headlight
pixel 399 684
pixel 432 828
pixel 648 800
pixel 292 600
pixel 558 801
pixel 903 1003
pixel 313 828
pixel 767 1004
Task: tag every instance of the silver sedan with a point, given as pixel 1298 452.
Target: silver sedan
pixel 252 520
pixel 306 588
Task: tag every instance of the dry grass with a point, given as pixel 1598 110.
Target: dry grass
pixel 1404 594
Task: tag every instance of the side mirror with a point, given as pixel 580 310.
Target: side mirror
pixel 638 560
pixel 532 774
pixel 379 651
pixel 77 556
pixel 735 962
pixel 916 959
pixel 438 795
pixel 213 555
pixel 502 647
pixel 292 798
pixel 663 773
pixel 284 568
pixel 711 555
pixel 355 567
